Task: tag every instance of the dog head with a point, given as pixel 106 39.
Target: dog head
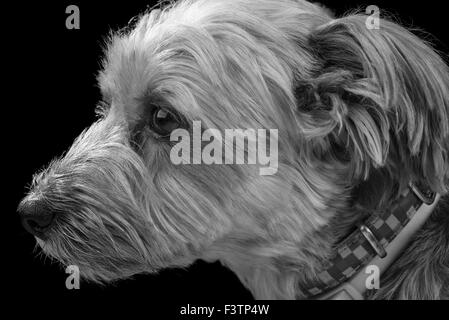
pixel 350 104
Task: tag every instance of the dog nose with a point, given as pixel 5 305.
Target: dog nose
pixel 36 217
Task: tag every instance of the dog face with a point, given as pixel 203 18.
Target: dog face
pixel 347 102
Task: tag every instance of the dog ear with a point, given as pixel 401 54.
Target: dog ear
pixel 377 98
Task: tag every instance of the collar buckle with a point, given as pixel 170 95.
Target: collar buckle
pixel 373 241
pixel 427 196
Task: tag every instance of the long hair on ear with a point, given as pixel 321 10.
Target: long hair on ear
pixel 377 99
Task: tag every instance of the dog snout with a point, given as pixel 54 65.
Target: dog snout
pixel 37 218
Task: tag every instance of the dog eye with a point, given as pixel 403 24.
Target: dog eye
pixel 163 122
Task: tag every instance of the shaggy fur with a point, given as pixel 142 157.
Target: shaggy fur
pixel 360 112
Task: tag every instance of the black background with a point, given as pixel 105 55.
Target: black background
pixel 53 93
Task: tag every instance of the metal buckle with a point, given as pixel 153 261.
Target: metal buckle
pixel 375 244
pixel 427 196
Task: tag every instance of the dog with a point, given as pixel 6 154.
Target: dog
pixel 362 116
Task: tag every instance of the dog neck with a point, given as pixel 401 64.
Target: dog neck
pixel 282 272
pixel 368 251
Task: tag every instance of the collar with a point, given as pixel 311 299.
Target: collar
pixel 378 241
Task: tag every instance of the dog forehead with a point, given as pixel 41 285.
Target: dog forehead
pixel 126 70
pixel 137 60
pixel 138 73
pixel 186 55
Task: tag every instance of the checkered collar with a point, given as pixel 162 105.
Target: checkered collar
pixel 368 241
